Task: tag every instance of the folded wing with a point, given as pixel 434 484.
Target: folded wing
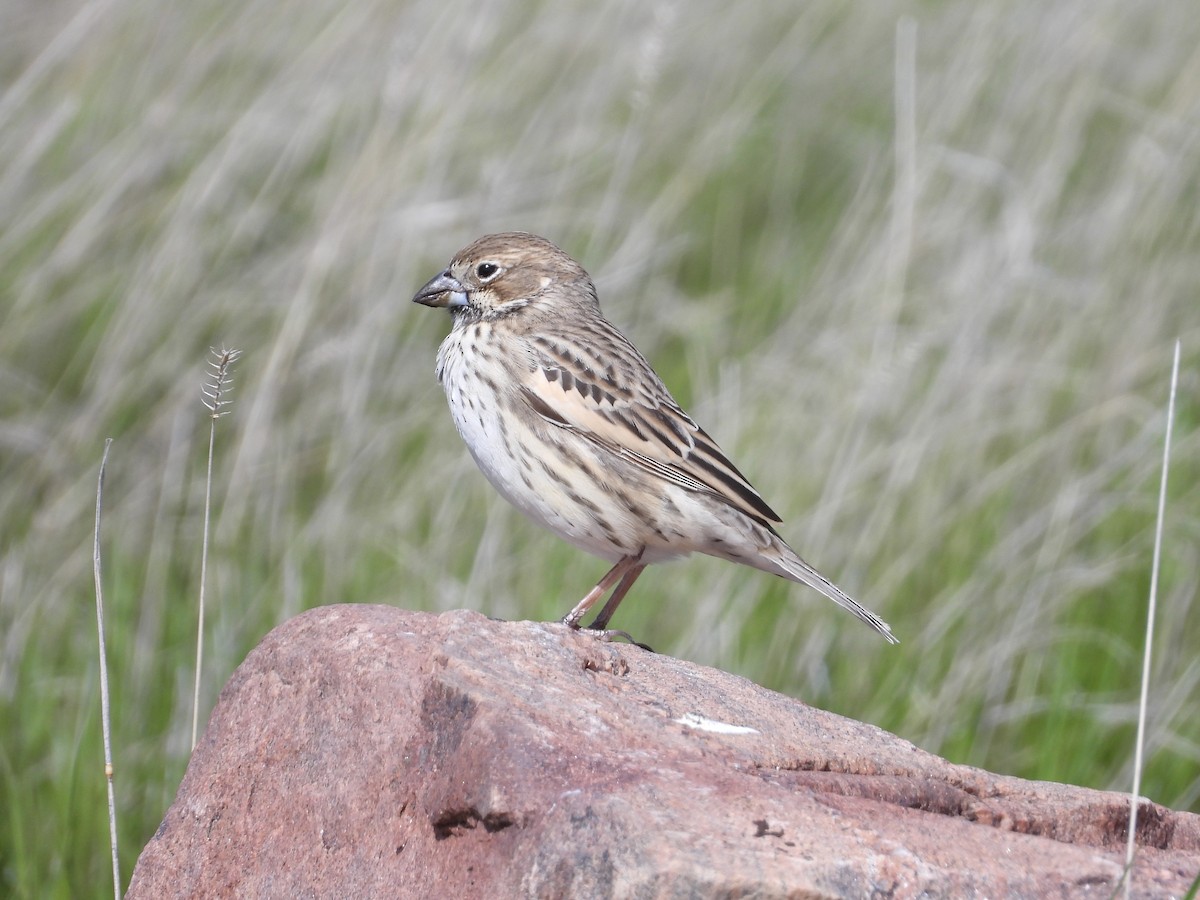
pixel 621 406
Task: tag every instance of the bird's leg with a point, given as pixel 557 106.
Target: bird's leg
pixel 623 575
pixel 627 580
pixel 600 626
pixel 615 574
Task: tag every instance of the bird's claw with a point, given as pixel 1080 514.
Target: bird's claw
pixel 608 635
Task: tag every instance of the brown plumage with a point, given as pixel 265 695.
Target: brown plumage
pixel 573 427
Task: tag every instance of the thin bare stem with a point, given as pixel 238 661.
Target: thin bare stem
pixel 1141 727
pixel 904 192
pixel 105 711
pixel 215 391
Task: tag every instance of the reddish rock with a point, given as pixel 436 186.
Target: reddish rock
pixel 366 751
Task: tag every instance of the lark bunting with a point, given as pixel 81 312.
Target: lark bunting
pixel 574 428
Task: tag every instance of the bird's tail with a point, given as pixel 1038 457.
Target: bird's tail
pixel 792 567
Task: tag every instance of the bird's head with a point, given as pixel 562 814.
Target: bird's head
pixel 500 274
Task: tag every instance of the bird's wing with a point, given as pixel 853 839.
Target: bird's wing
pixel 599 386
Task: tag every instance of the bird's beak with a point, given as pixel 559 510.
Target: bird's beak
pixel 442 290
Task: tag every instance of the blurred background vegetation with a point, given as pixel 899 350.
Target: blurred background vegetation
pixel 917 266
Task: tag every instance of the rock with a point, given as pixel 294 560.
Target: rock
pixel 366 751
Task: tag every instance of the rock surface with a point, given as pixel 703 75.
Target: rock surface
pixel 366 751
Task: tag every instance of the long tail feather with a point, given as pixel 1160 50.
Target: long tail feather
pixel 792 567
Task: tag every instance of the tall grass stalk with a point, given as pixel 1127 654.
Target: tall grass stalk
pixel 216 389
pixel 105 708
pixel 1143 701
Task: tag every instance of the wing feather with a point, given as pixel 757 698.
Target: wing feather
pixel 622 406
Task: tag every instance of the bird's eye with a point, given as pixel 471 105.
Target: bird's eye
pixel 487 270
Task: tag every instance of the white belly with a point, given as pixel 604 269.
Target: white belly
pixel 565 483
pixel 514 458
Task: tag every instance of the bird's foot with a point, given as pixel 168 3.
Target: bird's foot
pixel 609 635
pixel 598 631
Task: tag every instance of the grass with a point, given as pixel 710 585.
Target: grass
pixel 958 412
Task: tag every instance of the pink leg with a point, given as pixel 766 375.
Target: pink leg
pixel 618 595
pixel 615 574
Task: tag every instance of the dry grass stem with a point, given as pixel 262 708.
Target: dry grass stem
pixel 1131 841
pixel 105 709
pixel 215 390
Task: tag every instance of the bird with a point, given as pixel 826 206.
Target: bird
pixel 573 427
